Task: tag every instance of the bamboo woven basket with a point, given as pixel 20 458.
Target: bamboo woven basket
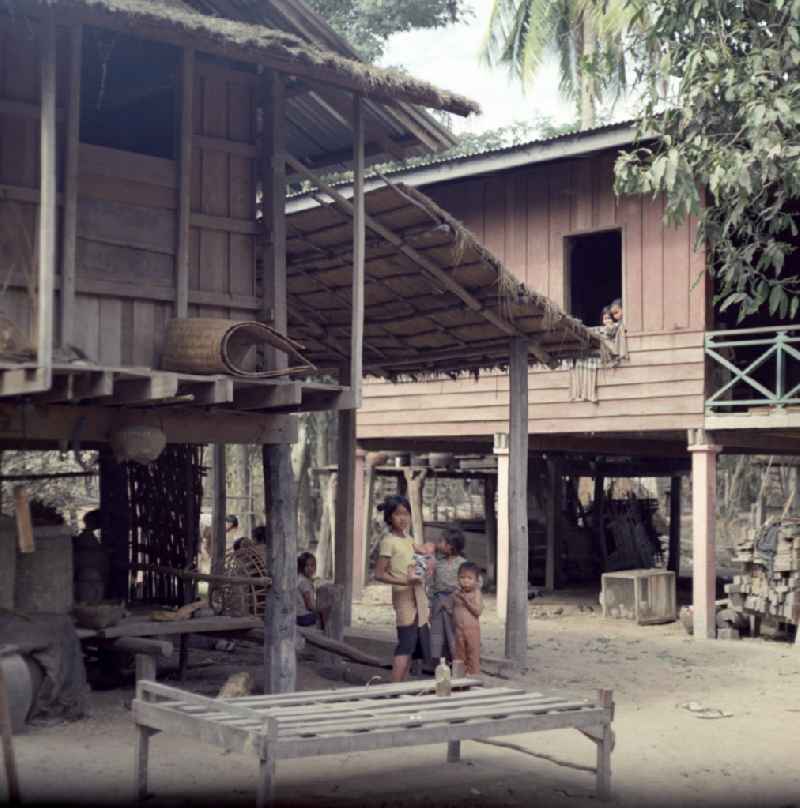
pixel 241 600
pixel 210 345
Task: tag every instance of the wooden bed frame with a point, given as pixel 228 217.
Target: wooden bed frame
pixel 360 719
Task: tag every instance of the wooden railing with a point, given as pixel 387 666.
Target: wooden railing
pixel 740 375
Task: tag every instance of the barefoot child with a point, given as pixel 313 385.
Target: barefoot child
pixel 449 558
pixel 466 605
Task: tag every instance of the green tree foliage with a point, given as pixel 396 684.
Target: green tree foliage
pixel 586 36
pixel 722 104
pixel 367 24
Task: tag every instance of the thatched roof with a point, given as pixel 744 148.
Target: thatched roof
pixel 436 300
pixel 254 43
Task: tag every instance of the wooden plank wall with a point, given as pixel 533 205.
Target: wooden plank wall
pixel 660 388
pixel 19 161
pixel 523 217
pixel 222 247
pixel 127 213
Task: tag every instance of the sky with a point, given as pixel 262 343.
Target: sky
pixel 448 57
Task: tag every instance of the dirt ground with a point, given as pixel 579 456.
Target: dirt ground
pixel 665 754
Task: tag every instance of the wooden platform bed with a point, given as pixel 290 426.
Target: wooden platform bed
pixel 360 719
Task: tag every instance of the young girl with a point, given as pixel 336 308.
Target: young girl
pixel 466 605
pixel 395 566
pixel 445 582
pixel 306 596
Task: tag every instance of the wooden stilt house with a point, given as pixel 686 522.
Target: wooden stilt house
pixel 693 382
pixel 145 150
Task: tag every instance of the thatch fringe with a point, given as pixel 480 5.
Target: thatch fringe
pixel 510 289
pixel 257 43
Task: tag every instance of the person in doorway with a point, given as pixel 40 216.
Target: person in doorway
pixel 306 594
pixel 615 309
pixel 450 554
pixel 395 567
pixel 606 319
pixel 466 606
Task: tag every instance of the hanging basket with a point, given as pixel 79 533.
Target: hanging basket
pixel 139 442
pixel 209 345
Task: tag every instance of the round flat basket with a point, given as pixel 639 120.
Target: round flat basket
pixel 242 600
pixel 209 345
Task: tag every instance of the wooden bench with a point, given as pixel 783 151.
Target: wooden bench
pixel 360 719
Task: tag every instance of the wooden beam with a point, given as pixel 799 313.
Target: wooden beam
pixel 219 510
pixel 155 387
pixel 503 539
pixel 69 237
pixel 263 397
pixel 345 504
pixel 48 211
pixel 273 183
pixel 280 612
pixel 359 253
pixel 436 273
pixel 553 558
pixel 598 523
pixel 214 391
pixel 184 186
pixel 517 613
pixel 360 547
pixel 674 551
pixel 34 426
pixel 490 517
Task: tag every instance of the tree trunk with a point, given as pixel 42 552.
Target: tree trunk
pixel 586 43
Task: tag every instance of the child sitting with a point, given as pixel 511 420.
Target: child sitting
pixel 306 595
pixel 466 606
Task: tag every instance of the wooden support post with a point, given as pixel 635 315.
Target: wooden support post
pixel 597 517
pixel 146 667
pixel 517 614
pixel 415 483
pixel 184 186
pixel 359 253
pixel 280 613
pixel 48 189
pixel 604 747
pixel 219 513
pixel 141 758
pixel 359 533
pixel 265 793
pixel 366 534
pixel 273 182
pixel 69 236
pixel 345 506
pixel 704 562
pixel 490 517
pixel 501 452
pixel 553 560
pixel 674 551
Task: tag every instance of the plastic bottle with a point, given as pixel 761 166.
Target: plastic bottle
pixel 443 678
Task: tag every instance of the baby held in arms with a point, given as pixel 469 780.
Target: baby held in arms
pixel 424 560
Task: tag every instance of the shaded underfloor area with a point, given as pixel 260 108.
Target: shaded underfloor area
pixel 665 754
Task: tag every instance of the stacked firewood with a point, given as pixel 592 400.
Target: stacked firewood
pixel 769 583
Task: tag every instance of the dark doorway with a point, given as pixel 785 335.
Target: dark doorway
pixel 594 273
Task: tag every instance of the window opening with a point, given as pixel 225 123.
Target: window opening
pixel 129 93
pixel 594 273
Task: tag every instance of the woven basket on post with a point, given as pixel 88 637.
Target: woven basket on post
pixel 210 345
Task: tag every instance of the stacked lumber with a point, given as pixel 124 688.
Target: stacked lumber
pixel 769 584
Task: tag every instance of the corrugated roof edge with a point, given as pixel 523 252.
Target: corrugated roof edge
pixel 541 150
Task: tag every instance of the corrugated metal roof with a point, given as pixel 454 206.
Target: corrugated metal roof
pixel 432 168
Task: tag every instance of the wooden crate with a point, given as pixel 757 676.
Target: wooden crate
pixel 646 596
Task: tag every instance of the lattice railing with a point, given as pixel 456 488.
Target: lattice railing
pixel 753 367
